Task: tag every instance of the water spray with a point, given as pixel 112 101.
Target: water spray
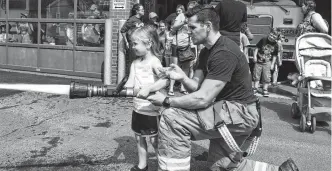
pixel 76 90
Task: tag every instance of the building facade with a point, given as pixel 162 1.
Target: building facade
pixel 66 36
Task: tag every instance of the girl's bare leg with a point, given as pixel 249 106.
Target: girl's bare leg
pixel 142 151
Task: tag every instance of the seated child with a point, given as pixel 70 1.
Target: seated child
pixel 267 51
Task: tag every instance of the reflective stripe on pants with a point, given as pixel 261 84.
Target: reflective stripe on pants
pixel 178 127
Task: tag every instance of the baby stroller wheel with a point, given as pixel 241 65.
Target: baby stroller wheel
pixel 303 123
pixel 295 111
pixel 313 124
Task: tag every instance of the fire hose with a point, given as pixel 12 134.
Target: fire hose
pixel 77 90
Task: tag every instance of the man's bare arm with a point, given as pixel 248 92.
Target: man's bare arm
pixel 201 98
pixel 193 84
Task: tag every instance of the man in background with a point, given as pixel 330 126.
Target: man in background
pixel 232 14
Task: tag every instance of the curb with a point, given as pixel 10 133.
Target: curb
pixel 51 75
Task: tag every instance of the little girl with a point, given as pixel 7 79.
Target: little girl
pixel 143 75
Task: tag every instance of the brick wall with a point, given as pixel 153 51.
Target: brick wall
pixel 116 15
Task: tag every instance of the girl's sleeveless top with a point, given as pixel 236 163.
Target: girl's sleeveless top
pixel 144 76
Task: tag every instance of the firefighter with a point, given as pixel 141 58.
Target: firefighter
pixel 220 97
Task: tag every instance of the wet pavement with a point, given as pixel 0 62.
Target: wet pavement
pixel 44 132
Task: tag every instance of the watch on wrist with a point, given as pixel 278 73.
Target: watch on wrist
pixel 166 102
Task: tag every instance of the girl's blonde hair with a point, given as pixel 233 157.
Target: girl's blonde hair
pixel 148 34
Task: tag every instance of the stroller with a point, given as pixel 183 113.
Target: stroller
pixel 313 60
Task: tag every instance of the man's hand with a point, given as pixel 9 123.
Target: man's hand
pixel 143 93
pixel 173 72
pixel 157 98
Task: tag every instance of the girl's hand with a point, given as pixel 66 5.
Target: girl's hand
pixel 157 98
pixel 143 93
pixel 173 72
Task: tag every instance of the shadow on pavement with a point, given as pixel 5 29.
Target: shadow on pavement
pixel 126 151
pixel 282 109
pixel 284 112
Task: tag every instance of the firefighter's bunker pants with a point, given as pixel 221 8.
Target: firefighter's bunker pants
pixel 179 127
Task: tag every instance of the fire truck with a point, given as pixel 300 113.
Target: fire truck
pixel 284 15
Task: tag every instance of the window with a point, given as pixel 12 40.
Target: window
pixel 58 25
pixel 57 9
pixel 90 34
pixel 23 8
pixel 17 4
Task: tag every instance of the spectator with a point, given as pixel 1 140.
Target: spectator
pixel 196 48
pixel 244 41
pixel 267 50
pixel 232 14
pixel 170 19
pixel 129 26
pixel 25 36
pixel 50 35
pixel 25 27
pixel 133 22
pixel 3 36
pixel 70 31
pixel 153 18
pixel 192 4
pixel 277 62
pixel 247 31
pixel 94 10
pixel 165 43
pixel 181 46
pixel 91 33
pixel 313 21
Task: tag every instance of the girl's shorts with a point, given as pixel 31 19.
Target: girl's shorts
pixel 144 125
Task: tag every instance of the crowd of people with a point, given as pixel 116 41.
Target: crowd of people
pixel 204 49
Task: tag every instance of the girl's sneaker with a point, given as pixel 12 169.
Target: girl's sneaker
pixel 265 93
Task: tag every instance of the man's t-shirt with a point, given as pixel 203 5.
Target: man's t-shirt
pixel 266 49
pixel 232 13
pixel 225 62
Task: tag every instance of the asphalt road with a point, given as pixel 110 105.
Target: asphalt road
pixel 50 132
